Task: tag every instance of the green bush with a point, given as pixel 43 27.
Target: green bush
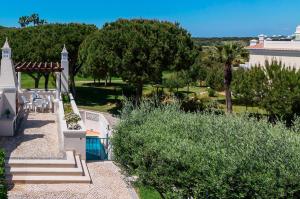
pixel 215 78
pixel 3 187
pixel 211 92
pixel 274 87
pixel 65 97
pixel 72 120
pixel 192 105
pixel 203 155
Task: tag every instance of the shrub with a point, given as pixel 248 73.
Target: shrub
pixel 192 105
pixel 3 187
pixel 211 92
pixel 202 155
pixel 215 78
pixel 68 108
pixel 72 120
pixel 65 97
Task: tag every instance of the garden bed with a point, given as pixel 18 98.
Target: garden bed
pixel 71 127
pixel 72 119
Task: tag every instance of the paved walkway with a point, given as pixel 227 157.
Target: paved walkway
pixel 37 137
pixel 108 183
pixel 112 120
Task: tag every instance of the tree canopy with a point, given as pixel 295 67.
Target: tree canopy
pixel 274 87
pixel 44 43
pixel 137 50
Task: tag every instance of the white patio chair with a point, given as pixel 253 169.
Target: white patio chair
pixel 39 104
pixel 27 104
pixel 47 102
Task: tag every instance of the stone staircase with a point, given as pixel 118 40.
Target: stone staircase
pixel 44 171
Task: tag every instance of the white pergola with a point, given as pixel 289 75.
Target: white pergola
pixel 61 69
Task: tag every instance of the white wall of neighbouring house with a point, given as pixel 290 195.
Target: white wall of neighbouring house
pixel 287 60
pixel 290 45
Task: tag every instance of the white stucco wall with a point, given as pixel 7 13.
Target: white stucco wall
pixel 288 58
pixel 292 45
pixel 96 122
pixel 74 140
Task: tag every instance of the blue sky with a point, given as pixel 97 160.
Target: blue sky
pixel 203 18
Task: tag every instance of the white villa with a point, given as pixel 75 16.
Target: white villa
pixel 284 49
pixel 40 147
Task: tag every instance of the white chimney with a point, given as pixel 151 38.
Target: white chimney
pixel 253 42
pixel 6 50
pixel 261 38
pixel 65 72
pixel 297 33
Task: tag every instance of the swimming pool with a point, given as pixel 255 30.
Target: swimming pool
pixel 95 150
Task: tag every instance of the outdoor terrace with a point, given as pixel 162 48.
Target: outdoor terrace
pixel 37 137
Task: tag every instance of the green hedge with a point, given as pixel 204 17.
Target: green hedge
pixel 3 187
pixel 202 155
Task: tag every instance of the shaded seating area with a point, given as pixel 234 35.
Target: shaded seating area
pixel 37 101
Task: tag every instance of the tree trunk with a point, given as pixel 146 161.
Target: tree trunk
pixel 109 79
pixel 36 82
pixel 106 78
pixel 36 79
pixel 46 75
pixel 139 92
pixel 94 81
pixel 72 86
pixel 227 82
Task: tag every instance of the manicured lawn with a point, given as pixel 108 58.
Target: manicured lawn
pixel 28 82
pixel 147 193
pixel 97 97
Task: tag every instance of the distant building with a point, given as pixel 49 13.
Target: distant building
pixel 280 48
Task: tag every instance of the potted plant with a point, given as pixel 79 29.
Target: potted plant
pixel 72 120
pixel 7 113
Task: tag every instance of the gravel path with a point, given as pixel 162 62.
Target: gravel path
pixel 108 183
pixel 112 120
pixel 37 137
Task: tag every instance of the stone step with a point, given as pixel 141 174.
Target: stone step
pixel 46 171
pixel 69 162
pixel 38 172
pixel 49 179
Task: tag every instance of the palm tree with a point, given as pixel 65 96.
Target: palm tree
pixel 42 22
pixel 35 19
pixel 230 54
pixel 23 21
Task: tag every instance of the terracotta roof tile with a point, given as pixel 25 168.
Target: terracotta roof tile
pixel 257 46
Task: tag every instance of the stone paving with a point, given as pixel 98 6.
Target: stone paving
pixel 112 120
pixel 37 137
pixel 107 183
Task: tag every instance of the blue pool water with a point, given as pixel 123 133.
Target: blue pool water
pixel 95 149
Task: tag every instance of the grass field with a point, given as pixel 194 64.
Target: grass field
pixel 97 97
pixel 147 193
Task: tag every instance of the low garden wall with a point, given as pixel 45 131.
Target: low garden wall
pixel 71 139
pixel 96 122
